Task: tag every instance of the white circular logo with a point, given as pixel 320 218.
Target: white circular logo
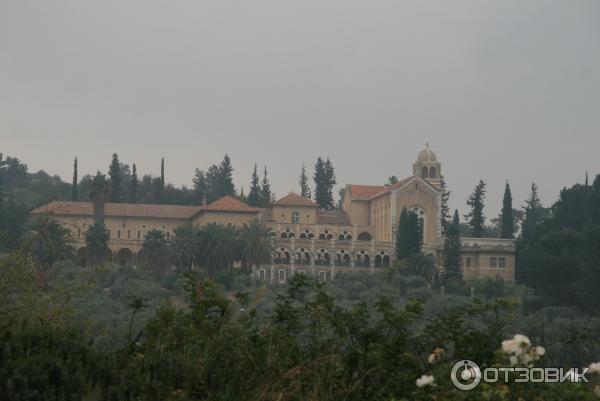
pixel 465 375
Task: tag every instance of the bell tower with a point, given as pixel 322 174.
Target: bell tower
pixel 427 167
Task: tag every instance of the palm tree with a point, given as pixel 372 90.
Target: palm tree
pixel 49 241
pixel 96 242
pixel 99 192
pixel 421 265
pixel 216 247
pixel 96 237
pixel 254 244
pixel 184 246
pixel 155 251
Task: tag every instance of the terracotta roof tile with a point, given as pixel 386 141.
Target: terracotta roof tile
pixel 120 209
pixel 294 199
pixel 364 192
pixel 230 204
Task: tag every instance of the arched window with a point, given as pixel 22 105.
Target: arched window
pixel 432 173
pixel 364 236
pixel 295 217
pixel 424 172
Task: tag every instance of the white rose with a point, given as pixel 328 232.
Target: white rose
pixel 425 380
pixel 595 367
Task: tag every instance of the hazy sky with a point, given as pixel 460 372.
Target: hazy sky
pixel 505 89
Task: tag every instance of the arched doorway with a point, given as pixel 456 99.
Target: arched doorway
pixel 124 257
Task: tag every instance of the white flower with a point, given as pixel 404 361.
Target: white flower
pixel 425 380
pixel 522 340
pixel 513 360
pixel 509 347
pixel 516 345
pixel 541 351
pixel 594 367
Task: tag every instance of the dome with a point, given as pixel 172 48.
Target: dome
pixel 426 155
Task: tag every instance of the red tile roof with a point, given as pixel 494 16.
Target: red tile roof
pixel 120 209
pixel 364 192
pixel 224 204
pixel 294 199
pixel 230 204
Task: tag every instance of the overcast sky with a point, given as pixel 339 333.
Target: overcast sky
pixel 506 89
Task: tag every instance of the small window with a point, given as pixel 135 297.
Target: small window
pixel 139 234
pixel 493 262
pixel 502 262
pixel 282 276
pixel 108 233
pixel 79 232
pixel 468 261
pixel 168 235
pixel 432 172
pixel 118 234
pixel 262 274
pixel 322 276
pixel 128 234
pixel 424 172
pixel 295 217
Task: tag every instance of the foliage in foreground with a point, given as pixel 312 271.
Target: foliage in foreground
pixel 309 348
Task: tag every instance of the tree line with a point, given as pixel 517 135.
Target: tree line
pixel 208 185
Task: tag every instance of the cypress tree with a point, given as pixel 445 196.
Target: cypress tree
pixel 225 178
pixel 533 213
pixel 266 194
pixel 200 186
pixel 161 183
pixel 133 185
pixel 587 204
pixel 507 229
pixel 324 181
pixel 254 195
pixel 116 179
pixel 408 235
pixel 304 188
pixel 476 218
pixel 75 182
pixel 451 250
pixel 444 208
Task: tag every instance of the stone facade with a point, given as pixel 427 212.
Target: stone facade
pixel 319 242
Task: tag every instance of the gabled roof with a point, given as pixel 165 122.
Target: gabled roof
pixel 230 204
pixel 368 192
pixel 332 217
pixel 293 199
pixel 365 192
pixel 120 210
pixel 224 204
